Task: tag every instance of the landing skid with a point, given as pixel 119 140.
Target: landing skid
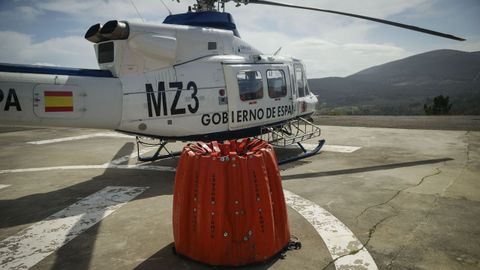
pixel 293 132
pixel 162 146
pixel 306 153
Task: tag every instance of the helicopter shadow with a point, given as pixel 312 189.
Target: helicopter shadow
pixel 365 169
pixel 36 207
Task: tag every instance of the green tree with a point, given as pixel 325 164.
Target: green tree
pixel 441 105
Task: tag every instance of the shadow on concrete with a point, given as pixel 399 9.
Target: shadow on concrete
pixel 166 258
pixel 365 169
pixel 6 129
pixel 36 207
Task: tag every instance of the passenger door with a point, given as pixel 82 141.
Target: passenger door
pixel 258 95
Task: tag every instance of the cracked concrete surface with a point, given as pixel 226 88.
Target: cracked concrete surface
pixel 438 171
pixel 415 217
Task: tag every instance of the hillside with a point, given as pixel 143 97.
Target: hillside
pixel 403 86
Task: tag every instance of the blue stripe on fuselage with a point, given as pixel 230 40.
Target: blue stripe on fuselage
pixel 55 70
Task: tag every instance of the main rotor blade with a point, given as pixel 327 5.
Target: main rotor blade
pixel 401 25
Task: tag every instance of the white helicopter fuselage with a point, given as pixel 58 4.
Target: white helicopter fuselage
pixel 165 81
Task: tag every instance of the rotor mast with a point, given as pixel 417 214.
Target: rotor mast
pixel 214 5
pixel 205 5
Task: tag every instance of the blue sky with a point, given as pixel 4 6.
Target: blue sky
pixel 50 32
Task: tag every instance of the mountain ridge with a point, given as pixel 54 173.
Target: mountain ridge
pixel 404 85
pixel 433 65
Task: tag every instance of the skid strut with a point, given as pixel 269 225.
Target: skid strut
pixel 162 146
pixel 293 132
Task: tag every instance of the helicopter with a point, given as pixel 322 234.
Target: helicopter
pixel 190 78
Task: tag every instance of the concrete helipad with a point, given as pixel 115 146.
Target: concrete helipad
pixel 375 198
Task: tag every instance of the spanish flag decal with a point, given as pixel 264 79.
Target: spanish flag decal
pixel 58 101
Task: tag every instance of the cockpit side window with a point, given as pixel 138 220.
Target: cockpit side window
pixel 277 86
pixel 300 81
pixel 250 85
pixel 307 87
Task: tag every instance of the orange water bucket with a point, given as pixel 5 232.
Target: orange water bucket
pixel 228 204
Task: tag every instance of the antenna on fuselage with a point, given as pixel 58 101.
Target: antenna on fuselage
pixel 278 51
pixel 165 5
pixel 138 13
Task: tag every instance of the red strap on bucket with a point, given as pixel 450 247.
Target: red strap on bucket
pixel 226 148
pixel 205 146
pixel 242 146
pixel 216 148
pixel 256 145
pixel 196 149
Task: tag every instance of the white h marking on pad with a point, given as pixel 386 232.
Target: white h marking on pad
pixel 4 186
pixel 82 137
pixel 344 247
pixel 340 148
pixel 329 148
pixel 30 246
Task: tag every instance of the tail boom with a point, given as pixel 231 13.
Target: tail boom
pixel 60 100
